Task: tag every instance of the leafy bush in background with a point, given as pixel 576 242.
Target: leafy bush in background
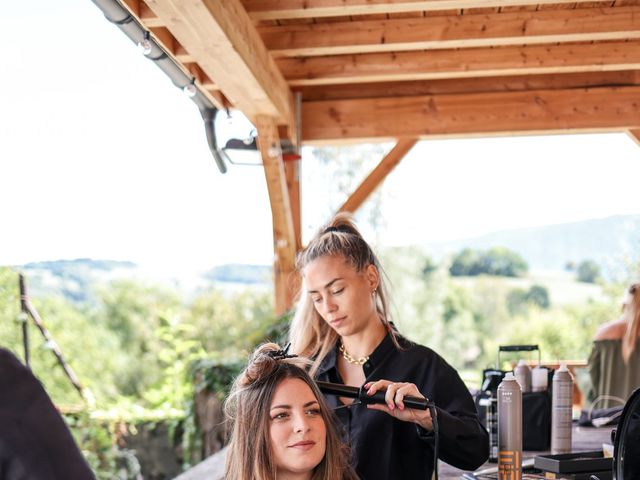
pixel 137 349
pixel 519 299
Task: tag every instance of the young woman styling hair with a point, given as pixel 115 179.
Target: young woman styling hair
pixel 342 323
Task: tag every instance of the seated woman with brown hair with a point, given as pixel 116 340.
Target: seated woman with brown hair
pixel 614 363
pixel 282 427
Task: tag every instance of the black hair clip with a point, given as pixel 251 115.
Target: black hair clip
pixel 281 354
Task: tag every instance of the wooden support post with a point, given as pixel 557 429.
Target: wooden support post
pixel 635 135
pixel 292 172
pixel 386 165
pixel 284 237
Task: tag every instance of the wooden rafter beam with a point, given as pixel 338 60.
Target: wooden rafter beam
pixel 454 31
pixel 470 85
pixel 635 135
pixel 284 239
pixel 496 113
pixel 377 175
pixel 221 38
pixel 287 9
pixel 463 63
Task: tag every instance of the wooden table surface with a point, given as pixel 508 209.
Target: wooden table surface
pixel 584 439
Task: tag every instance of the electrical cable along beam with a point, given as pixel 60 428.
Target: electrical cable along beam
pixel 154 51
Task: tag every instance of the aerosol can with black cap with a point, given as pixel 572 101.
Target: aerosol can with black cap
pixel 509 429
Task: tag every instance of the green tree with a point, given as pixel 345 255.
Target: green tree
pixel 519 300
pixel 90 349
pixel 465 263
pixel 539 295
pixel 501 261
pixel 588 271
pixel 134 312
pixel 231 323
pixel 417 300
pixel 498 261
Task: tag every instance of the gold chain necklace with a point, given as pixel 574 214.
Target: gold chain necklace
pixel 350 359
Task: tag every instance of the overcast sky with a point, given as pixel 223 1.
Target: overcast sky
pixel 101 156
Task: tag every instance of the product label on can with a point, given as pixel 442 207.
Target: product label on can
pixel 509 465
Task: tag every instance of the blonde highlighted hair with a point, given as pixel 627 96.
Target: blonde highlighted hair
pixel 631 314
pixel 250 453
pixel 309 334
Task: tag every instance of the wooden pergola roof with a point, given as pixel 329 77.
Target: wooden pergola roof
pixel 327 71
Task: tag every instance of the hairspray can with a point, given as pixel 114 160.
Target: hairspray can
pixel 509 429
pixel 539 379
pixel 561 403
pixel 522 373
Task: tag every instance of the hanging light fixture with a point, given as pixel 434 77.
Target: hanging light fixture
pixel 190 88
pixel 145 44
pixel 243 151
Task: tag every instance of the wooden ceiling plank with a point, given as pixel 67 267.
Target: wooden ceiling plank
pixel 470 85
pixel 457 31
pixel 494 113
pixel 223 41
pixel 165 37
pixel 463 63
pixel 283 9
pixel 480 11
pixel 181 53
pixel 378 174
pixel 149 18
pixel 133 6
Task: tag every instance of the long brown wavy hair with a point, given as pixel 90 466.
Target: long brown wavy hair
pixel 309 334
pixel 250 454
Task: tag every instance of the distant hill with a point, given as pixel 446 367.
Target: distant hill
pixel 240 273
pixel 72 279
pixel 610 242
pixel 61 266
pixel 75 279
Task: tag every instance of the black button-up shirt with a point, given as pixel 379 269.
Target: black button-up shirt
pixel 35 443
pixel 386 448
